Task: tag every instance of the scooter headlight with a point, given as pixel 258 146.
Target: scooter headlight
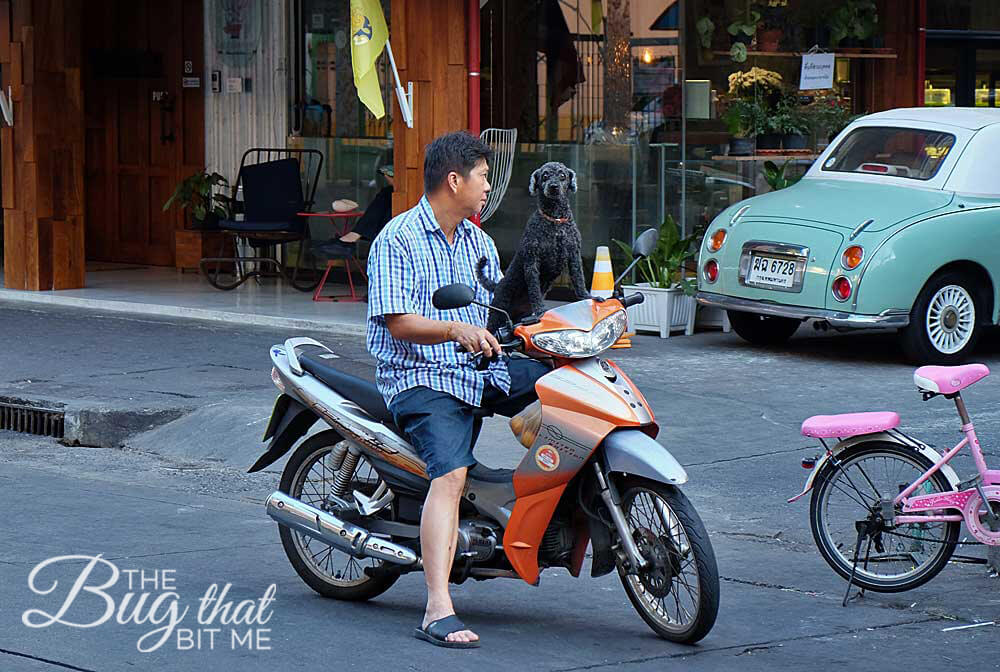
pixel 578 343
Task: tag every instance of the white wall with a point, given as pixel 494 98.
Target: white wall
pixel 235 122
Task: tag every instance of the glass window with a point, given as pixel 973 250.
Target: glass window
pixel 327 114
pixel 901 152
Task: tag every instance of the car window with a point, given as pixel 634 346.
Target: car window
pixel 902 152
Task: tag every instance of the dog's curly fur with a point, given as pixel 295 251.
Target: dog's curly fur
pixel 550 243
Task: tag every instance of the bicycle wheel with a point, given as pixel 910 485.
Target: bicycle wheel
pixel 891 560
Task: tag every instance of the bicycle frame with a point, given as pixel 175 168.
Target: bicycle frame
pixel 947 500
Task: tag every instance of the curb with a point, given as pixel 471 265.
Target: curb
pixel 201 314
pixel 98 426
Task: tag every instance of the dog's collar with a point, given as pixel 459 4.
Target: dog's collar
pixel 554 220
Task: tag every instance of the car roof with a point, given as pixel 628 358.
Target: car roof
pixel 963 117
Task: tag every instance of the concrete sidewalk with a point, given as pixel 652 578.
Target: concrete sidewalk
pixel 167 293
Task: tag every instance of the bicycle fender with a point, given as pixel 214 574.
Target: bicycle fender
pixel 893 436
pixel 632 451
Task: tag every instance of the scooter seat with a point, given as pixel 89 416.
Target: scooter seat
pixel 849 424
pixel 358 390
pixel 948 379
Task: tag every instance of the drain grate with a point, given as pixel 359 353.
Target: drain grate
pixel 32 420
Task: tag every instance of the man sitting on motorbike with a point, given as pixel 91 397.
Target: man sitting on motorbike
pixel 429 386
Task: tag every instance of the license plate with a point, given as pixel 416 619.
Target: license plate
pixel 773 271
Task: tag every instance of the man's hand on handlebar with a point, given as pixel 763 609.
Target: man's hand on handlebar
pixel 474 339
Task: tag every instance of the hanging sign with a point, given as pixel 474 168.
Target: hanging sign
pixel 817 72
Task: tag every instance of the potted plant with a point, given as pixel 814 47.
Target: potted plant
pixel 828 115
pixel 792 122
pixel 669 296
pixel 706 32
pixel 853 23
pixel 772 25
pixel 775 176
pixel 196 194
pixel 742 31
pixel 745 120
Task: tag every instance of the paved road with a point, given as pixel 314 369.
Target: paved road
pixel 729 413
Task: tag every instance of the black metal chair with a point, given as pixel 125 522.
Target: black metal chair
pixel 277 185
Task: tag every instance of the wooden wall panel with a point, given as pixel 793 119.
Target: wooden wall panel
pixel 43 154
pixel 429 42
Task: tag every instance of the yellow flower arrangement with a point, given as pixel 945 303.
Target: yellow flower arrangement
pixel 777 3
pixel 742 83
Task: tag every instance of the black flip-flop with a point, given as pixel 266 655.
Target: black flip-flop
pixel 437 632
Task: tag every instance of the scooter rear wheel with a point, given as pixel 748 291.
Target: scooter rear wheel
pixel 678 593
pixel 328 571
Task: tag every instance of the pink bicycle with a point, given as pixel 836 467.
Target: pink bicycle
pixel 895 495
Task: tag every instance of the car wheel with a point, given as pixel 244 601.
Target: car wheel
pixel 944 323
pixel 763 329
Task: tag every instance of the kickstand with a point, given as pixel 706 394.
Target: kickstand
pixel 862 527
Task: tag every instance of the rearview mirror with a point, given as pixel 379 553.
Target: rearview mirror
pixel 454 296
pixel 646 243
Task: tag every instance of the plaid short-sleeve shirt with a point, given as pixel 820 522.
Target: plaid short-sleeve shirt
pixel 408 261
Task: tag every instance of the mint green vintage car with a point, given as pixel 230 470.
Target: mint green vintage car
pixel 896 226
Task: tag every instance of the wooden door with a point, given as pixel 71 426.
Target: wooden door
pixel 142 128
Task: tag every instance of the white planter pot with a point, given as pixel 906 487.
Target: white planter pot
pixel 663 311
pixel 712 317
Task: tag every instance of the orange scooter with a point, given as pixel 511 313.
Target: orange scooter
pixel 348 505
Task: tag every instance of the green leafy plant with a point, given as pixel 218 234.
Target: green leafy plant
pixel 853 19
pixel 664 268
pixel 706 29
pixel 828 114
pixel 738 52
pixel 746 25
pixel 745 118
pixel 197 192
pixel 789 118
pixel 776 177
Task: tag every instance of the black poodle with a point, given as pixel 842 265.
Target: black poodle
pixel 550 243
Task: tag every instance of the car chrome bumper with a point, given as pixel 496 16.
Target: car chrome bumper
pixel 836 318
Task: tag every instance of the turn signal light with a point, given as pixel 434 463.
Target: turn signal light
pixel 842 289
pixel 716 241
pixel 711 270
pixel 852 257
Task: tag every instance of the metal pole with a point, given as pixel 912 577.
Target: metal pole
pixel 405 99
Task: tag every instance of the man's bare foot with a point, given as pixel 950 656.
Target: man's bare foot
pixel 350 237
pixel 459 636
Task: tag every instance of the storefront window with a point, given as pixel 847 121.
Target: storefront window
pixel 327 114
pixel 666 108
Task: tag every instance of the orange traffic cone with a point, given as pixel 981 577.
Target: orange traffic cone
pixel 604 278
pixel 603 285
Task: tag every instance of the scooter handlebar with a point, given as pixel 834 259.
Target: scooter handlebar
pixel 633 299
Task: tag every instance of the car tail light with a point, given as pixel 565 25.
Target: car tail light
pixel 874 168
pixel 852 257
pixel 717 240
pixel 842 289
pixel 711 270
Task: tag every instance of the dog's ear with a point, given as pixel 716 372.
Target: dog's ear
pixel 533 182
pixel 572 179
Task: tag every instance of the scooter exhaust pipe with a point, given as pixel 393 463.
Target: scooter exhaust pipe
pixel 329 529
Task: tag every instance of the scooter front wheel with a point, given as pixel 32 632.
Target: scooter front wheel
pixel 677 594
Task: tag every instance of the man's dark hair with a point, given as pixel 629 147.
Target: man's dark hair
pixel 458 152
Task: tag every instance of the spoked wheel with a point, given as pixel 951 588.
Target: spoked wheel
pixel 310 475
pixel 677 594
pixel 944 323
pixel 891 560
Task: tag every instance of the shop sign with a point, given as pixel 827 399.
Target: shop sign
pixel 817 72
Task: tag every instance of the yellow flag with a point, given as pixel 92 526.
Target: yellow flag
pixel 368 38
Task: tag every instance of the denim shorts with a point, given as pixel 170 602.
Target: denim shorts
pixel 443 428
